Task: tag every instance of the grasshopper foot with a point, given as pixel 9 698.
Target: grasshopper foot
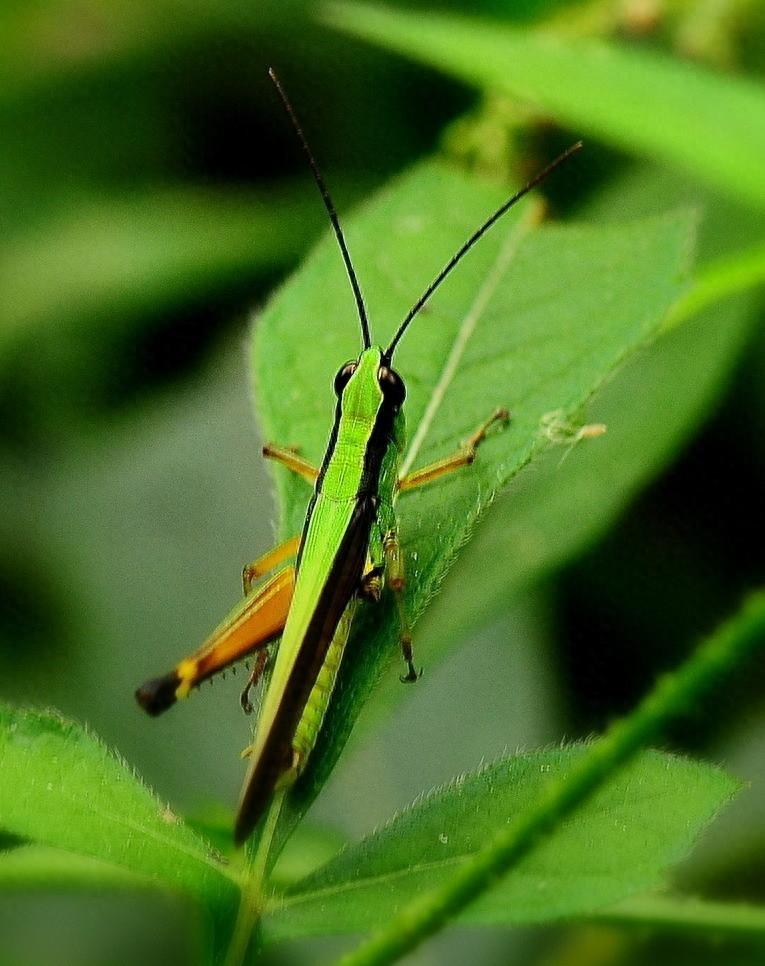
pixel 411 675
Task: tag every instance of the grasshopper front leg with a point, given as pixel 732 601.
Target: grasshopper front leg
pixel 289 456
pixel 464 456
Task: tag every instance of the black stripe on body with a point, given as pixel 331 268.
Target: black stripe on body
pixel 343 581
pixel 380 439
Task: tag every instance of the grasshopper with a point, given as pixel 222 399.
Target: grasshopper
pixel 348 551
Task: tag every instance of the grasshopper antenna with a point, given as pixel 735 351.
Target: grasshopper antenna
pixel 537 179
pixel 331 211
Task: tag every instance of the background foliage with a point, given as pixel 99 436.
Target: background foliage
pixel 152 197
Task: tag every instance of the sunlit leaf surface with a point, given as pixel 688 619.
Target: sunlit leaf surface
pixel 617 844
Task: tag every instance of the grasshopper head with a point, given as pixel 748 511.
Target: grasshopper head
pixel 364 383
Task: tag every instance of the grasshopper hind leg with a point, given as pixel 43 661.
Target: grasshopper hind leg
pixel 253 624
pixel 159 694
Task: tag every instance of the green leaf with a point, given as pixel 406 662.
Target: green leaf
pixel 309 848
pixel 711 125
pixel 108 263
pixel 536 318
pixel 60 787
pixel 39 868
pixel 575 491
pixel 689 917
pixel 40 52
pixel 619 843
pixel 727 649
pixel 726 277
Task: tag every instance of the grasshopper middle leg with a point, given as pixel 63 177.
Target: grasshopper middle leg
pixel 269 561
pixel 254 623
pixel 396 580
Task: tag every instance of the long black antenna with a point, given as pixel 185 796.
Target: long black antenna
pixel 329 205
pixel 473 239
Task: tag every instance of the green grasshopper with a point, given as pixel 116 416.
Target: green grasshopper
pixel 348 550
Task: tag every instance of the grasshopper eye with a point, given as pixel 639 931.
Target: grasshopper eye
pixel 343 375
pixel 392 386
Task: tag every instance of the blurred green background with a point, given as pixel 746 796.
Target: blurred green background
pixel 151 196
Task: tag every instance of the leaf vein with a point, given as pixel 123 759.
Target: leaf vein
pixel 467 327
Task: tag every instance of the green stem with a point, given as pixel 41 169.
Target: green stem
pixel 670 697
pixel 687 914
pixel 253 898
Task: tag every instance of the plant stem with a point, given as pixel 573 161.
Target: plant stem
pixel 253 898
pixel 687 914
pixel 672 694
